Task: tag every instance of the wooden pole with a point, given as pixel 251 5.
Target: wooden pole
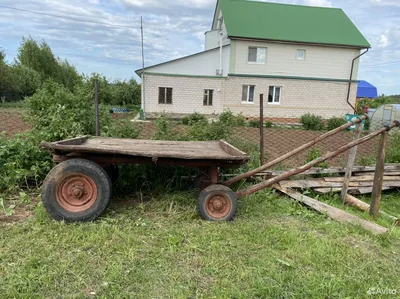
pixel 292 153
pixel 261 130
pixel 350 164
pixel 309 165
pixel 96 105
pixel 378 180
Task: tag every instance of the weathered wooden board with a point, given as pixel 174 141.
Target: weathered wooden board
pixel 212 150
pixel 356 169
pixel 362 179
pixel 333 212
pixel 352 190
pixel 320 183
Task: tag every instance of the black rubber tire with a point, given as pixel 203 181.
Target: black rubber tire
pixel 113 172
pixel 76 166
pixel 217 190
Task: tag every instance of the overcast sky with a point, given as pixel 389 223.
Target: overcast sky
pixel 174 29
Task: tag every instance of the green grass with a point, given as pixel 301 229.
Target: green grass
pixel 275 248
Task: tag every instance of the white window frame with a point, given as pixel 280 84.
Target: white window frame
pixel 273 95
pixel 257 62
pixel 303 58
pixel 207 93
pixel 248 94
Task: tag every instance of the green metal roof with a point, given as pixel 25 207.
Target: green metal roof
pixel 294 23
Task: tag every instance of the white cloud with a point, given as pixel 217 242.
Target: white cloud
pixel 322 3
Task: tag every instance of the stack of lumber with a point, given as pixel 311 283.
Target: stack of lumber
pixel 360 183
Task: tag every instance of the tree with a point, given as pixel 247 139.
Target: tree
pixel 5 80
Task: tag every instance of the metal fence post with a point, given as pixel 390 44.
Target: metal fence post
pixel 96 105
pixel 262 130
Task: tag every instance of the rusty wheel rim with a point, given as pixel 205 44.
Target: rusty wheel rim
pixel 76 193
pixel 218 206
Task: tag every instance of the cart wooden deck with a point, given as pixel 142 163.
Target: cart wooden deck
pixel 130 151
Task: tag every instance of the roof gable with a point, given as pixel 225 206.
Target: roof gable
pixel 290 23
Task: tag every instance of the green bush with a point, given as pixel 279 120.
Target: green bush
pixel 227 117
pixel 335 122
pixel 193 119
pixel 393 149
pixel 312 122
pixel 254 123
pixel 268 124
pixel 122 129
pixel 313 154
pixel 204 131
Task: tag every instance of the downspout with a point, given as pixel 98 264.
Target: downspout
pixel 220 48
pixel 351 79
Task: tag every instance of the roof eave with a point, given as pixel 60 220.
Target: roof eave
pixel 301 42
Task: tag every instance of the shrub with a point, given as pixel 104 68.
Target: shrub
pixel 227 117
pixel 164 129
pixel 204 131
pixel 268 124
pixel 335 122
pixel 193 119
pixel 313 154
pixel 254 123
pixel 122 129
pixel 393 150
pixel 312 122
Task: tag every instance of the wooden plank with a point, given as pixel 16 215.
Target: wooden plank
pixel 333 212
pixel 362 179
pixel 152 148
pixel 352 190
pixel 355 202
pixel 356 169
pixel 378 180
pixel 320 183
pixel 350 164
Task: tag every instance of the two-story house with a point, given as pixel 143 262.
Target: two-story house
pixel 302 59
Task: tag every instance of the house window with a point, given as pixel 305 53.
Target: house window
pixel 274 96
pixel 165 95
pixel 208 97
pixel 257 55
pixel 248 93
pixel 300 54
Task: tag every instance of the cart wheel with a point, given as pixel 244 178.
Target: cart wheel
pixel 217 203
pixel 76 190
pixel 113 172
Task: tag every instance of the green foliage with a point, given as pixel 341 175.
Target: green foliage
pixel 254 123
pixel 375 103
pixel 122 129
pixel 268 124
pixel 26 80
pixel 204 131
pixel 193 119
pixel 393 150
pixel 227 117
pixel 312 122
pixel 313 154
pixel 335 122
pixel 164 129
pixel 62 114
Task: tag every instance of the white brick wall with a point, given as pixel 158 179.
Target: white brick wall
pixel 298 97
pixel 187 94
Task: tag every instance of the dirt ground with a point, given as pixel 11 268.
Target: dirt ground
pixel 11 122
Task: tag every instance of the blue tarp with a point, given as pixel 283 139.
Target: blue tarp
pixel 366 90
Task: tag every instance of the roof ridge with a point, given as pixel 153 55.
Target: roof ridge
pixel 284 4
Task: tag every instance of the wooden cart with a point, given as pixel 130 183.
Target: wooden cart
pixel 78 188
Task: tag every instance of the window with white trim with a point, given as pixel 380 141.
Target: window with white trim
pixel 257 55
pixel 208 97
pixel 301 54
pixel 248 93
pixel 165 95
pixel 274 95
